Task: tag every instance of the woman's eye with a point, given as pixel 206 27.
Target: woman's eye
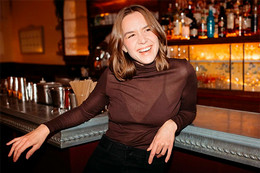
pixel 130 36
pixel 148 29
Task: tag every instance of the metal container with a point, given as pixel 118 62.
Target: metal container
pixel 60 97
pixel 32 91
pixel 43 92
pixel 73 100
pixel 22 91
pixel 10 81
pixel 15 87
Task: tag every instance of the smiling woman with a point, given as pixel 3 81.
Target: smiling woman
pixel 137 33
pixel 150 97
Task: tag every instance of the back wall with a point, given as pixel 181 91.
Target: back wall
pixel 17 14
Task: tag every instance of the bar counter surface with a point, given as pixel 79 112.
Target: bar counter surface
pixel 223 133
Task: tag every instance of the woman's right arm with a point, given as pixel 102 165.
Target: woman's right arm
pixel 33 139
pixel 89 108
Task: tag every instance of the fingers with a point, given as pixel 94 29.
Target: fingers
pixel 151 146
pixel 15 142
pixel 33 139
pixel 18 146
pixel 150 160
pixel 169 153
pixel 160 150
pixel 31 151
pixel 163 152
pixel 19 149
pixel 12 141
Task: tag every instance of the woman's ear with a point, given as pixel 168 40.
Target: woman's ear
pixel 124 49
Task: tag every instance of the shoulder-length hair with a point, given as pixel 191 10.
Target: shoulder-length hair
pixel 121 64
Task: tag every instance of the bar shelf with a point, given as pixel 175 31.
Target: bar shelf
pixel 243 39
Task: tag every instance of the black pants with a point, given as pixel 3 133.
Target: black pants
pixel 110 156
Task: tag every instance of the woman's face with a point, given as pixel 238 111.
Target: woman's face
pixel 138 39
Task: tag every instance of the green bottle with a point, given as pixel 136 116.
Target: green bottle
pixel 210 24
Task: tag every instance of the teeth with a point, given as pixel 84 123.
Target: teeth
pixel 144 50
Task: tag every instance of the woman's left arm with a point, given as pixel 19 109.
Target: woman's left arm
pixel 163 141
pixel 164 138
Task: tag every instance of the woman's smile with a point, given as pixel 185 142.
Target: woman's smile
pixel 139 40
pixel 143 50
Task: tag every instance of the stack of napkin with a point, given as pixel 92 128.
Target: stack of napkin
pixel 82 89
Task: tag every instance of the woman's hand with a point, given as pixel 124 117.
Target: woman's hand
pixel 35 139
pixel 163 141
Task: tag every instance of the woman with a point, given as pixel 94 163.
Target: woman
pixel 150 97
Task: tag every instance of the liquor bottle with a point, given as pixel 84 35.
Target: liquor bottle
pixel 230 20
pixel 246 28
pixel 216 9
pixel 254 21
pixel 165 23
pixel 236 7
pixel 214 6
pixel 176 23
pixel 185 27
pixel 193 24
pixel 170 18
pixel 170 11
pixel 222 22
pixel 239 21
pixel 197 13
pixel 210 24
pixel 203 25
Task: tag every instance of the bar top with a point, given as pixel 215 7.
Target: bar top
pixel 228 120
pixel 225 133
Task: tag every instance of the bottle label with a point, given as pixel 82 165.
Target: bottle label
pixel 230 21
pixel 176 28
pixel 194 32
pixel 203 26
pixel 197 16
pixel 246 23
pixel 221 23
pixel 185 31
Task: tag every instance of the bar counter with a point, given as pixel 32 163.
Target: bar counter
pixel 222 133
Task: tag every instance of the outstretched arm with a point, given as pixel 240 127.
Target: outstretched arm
pixel 33 139
pixel 90 107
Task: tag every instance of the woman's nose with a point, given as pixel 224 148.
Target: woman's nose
pixel 142 39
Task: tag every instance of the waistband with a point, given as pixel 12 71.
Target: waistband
pixel 119 148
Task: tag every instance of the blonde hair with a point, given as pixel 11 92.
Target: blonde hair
pixel 121 63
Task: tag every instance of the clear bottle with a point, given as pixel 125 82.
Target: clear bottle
pixel 203 26
pixel 210 24
pixel 197 13
pixel 246 28
pixel 230 20
pixel 254 21
pixel 185 27
pixel 239 21
pixel 222 22
pixel 176 23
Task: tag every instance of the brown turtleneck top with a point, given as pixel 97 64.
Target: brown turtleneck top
pixel 140 106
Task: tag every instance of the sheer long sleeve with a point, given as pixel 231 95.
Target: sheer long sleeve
pixel 87 110
pixel 187 111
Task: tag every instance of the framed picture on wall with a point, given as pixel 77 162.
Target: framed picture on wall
pixel 31 39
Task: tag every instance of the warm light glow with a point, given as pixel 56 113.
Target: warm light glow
pixel 212 64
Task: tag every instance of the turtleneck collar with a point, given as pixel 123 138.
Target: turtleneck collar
pixel 140 67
